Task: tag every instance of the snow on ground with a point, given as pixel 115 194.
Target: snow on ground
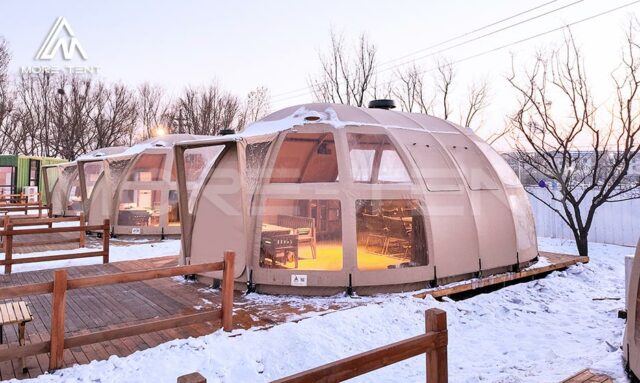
pixel 116 253
pixel 540 331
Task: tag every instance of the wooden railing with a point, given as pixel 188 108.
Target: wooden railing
pixel 17 198
pixel 433 343
pixel 9 232
pixel 24 207
pixel 61 284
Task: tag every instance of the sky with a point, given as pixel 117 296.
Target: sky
pixel 245 44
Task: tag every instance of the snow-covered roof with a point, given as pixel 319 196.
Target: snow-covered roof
pixel 102 152
pixel 339 116
pixel 166 141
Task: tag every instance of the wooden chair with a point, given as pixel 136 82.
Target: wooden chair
pixel 375 229
pixel 399 236
pixel 16 312
pixel 305 228
pixel 279 244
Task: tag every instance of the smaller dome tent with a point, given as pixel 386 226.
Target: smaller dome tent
pixel 318 197
pixel 136 188
pixel 631 346
pixel 63 182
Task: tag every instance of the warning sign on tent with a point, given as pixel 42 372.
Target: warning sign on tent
pixel 298 280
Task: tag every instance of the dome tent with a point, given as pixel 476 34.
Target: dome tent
pixel 318 197
pixel 631 345
pixel 136 188
pixel 62 182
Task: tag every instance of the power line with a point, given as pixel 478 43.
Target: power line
pixel 442 42
pixel 470 32
pixel 509 44
pixel 484 35
pixel 309 89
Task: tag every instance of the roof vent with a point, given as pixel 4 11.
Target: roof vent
pixel 385 104
pixel 226 132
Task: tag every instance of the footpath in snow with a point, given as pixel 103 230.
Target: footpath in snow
pixel 540 331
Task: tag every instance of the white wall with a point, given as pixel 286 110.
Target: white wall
pixel 615 223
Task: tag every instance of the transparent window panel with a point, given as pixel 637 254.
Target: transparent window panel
pixel 255 155
pixel 362 164
pixel 197 164
pixel 306 158
pixel 139 208
pixel 6 179
pixel 74 195
pixel 92 171
pixel 390 234
pixel 116 172
pixel 174 209
pixel 301 235
pixel 34 172
pixel 52 177
pixel 148 167
pixel 374 159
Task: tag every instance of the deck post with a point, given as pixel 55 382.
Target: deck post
pixel 25 201
pixel 57 319
pixel 227 291
pixel 8 244
pixel 83 233
pixel 194 377
pixel 106 230
pixel 437 370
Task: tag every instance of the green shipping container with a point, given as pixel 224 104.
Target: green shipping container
pixel 18 171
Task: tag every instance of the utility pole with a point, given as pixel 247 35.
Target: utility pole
pixel 180 120
pixel 61 93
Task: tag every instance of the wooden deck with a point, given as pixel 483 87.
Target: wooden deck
pixel 555 262
pixel 588 376
pixel 102 307
pixel 46 242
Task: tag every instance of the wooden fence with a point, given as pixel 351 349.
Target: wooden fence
pixel 433 343
pixel 17 198
pixel 24 207
pixel 9 232
pixel 61 284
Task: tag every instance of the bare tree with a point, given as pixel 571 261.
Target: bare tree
pixel 113 117
pixel 152 108
pixel 416 94
pixel 204 110
pixel 71 129
pixel 411 91
pixel 560 138
pixel 65 116
pixel 254 107
pixel 444 81
pixel 6 97
pixel 346 79
pixel 33 119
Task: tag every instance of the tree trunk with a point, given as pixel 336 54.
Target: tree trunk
pixel 582 243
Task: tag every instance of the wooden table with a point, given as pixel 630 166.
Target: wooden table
pixel 275 229
pixel 16 312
